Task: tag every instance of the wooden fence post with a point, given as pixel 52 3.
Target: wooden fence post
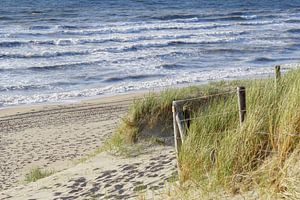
pixel 180 124
pixel 177 138
pixel 187 116
pixel 175 126
pixel 241 92
pixel 277 75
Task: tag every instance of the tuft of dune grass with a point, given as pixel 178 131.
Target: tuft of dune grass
pixel 156 108
pixel 218 153
pixel 37 173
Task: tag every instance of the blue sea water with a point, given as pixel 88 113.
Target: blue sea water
pixel 56 50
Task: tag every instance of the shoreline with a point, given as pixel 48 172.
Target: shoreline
pixel 133 93
pixel 30 108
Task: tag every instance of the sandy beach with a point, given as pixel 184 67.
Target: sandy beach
pixel 55 136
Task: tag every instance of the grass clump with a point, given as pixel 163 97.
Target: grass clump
pixel 156 108
pixel 118 146
pixel 36 174
pixel 139 188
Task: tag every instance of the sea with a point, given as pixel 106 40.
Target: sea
pixel 63 50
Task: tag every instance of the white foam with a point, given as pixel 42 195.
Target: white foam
pixel 184 78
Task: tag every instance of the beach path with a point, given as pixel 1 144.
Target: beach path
pixel 54 136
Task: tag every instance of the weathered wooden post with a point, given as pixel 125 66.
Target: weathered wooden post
pixel 278 73
pixel 277 76
pixel 187 116
pixel 241 92
pixel 177 138
pixel 180 124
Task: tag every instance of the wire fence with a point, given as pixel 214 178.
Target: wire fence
pixel 207 96
pixel 158 95
pixel 211 115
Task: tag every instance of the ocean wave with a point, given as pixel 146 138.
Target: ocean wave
pixel 11 44
pixel 45 54
pixel 294 30
pixel 236 18
pixel 70 27
pixel 132 77
pixel 78 27
pixel 56 42
pixel 294 46
pixel 292 21
pixel 52 67
pixel 133 28
pixel 39 27
pixel 88 78
pixel 62 84
pixel 37 87
pixel 248 16
pixel 33 12
pixel 171 66
pixel 263 59
pixel 176 16
pixel 256 23
pixel 20 87
pixel 96 40
pixel 225 50
pixel 136 47
pixel 195 18
pixel 105 31
pixel 5 18
pixel 61 66
pixel 238 13
pixel 120 38
pixel 49 67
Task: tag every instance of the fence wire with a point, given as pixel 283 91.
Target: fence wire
pixel 207 96
pixel 203 116
pixel 157 95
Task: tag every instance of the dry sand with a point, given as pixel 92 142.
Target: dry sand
pixel 53 136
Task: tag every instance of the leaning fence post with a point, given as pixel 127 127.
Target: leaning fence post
pixel 180 125
pixel 241 91
pixel 177 138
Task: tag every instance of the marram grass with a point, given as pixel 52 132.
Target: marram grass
pixel 156 108
pixel 220 155
pixel 37 173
